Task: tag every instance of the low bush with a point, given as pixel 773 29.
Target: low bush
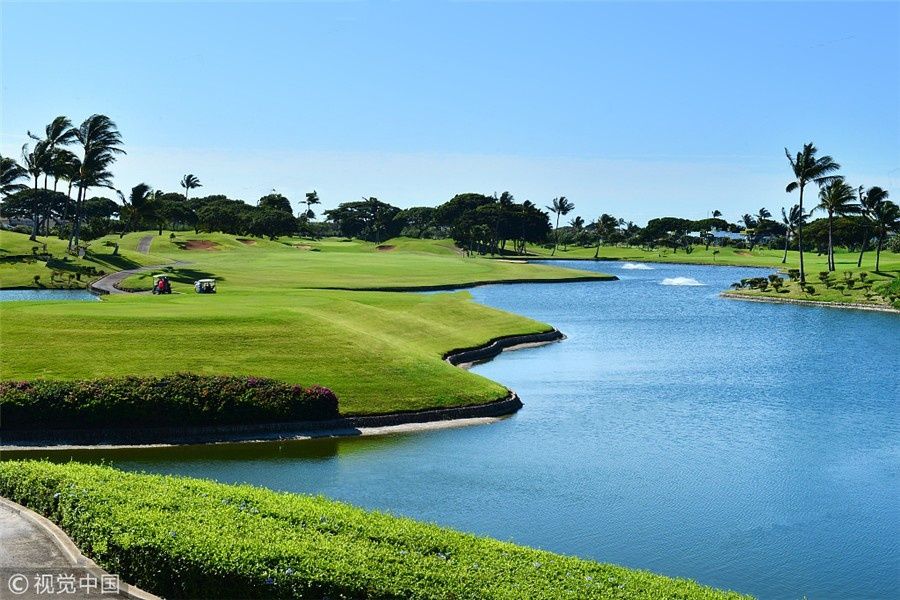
pixel 178 399
pixel 186 538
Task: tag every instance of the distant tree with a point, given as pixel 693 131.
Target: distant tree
pixel 836 198
pixel 604 227
pixel 190 182
pixel 886 217
pixel 790 220
pixel 417 220
pixel 560 207
pixel 369 219
pixel 38 205
pixel 868 201
pixel 272 222
pixel 312 198
pixel 275 201
pixel 138 208
pixel 806 168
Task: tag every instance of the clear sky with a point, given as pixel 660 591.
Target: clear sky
pixel 638 109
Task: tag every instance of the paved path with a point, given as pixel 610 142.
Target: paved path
pixel 37 556
pixel 144 244
pixel 108 284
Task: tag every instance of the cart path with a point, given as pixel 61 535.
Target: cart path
pixel 108 283
pixel 144 245
pixel 31 545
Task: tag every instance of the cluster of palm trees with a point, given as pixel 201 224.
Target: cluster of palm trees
pixel 836 198
pixel 98 144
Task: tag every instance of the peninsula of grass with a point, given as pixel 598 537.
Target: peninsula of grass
pixel 380 352
pixel 187 538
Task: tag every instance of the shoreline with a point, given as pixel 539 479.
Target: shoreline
pixel 819 303
pixel 350 426
pixel 471 284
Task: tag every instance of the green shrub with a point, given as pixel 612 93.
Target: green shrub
pixel 173 400
pixel 186 538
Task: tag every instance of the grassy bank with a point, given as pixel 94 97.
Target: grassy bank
pixel 849 286
pixel 187 538
pixel 44 264
pixel 379 351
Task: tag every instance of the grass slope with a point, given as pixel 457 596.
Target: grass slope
pixel 187 538
pixel 379 351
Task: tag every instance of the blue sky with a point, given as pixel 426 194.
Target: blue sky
pixel 639 109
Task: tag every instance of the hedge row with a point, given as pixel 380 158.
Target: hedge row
pixel 174 400
pixel 186 538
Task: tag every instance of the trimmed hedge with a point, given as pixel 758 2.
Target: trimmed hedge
pixel 187 538
pixel 174 400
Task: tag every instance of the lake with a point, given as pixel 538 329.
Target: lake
pixel 748 446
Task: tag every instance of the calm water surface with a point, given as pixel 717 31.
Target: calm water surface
pixel 747 446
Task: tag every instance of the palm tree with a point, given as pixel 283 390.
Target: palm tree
pixel 604 226
pixel 561 207
pixel 10 173
pixel 35 160
pixel 100 141
pixel 836 198
pixel 806 168
pixel 716 214
pixel 886 216
pixel 190 182
pixel 138 207
pixel 58 133
pixel 750 229
pixel 790 220
pixel 867 202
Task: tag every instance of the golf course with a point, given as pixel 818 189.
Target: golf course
pixel 275 316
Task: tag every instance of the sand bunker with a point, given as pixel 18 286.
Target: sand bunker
pixel 200 245
pixel 246 241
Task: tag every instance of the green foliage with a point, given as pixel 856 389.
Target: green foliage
pixel 178 399
pixel 187 538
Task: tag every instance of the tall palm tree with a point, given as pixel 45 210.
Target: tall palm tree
pixel 35 160
pixel 604 227
pixel 886 216
pixel 836 198
pixel 808 168
pixel 138 207
pixel 868 200
pixel 561 207
pixel 716 214
pixel 100 141
pixel 10 173
pixel 57 134
pixel 190 182
pixel 790 219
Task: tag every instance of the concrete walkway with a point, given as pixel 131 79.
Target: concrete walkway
pixel 38 560
pixel 144 245
pixel 108 284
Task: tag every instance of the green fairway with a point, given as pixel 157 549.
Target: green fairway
pixel 760 257
pixel 379 351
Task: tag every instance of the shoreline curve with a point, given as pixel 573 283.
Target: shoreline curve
pixel 819 303
pixel 350 426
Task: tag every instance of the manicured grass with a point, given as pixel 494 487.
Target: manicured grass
pixel 760 257
pixel 877 290
pixel 21 260
pixel 188 538
pixel 379 351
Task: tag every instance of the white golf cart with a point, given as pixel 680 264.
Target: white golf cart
pixel 205 286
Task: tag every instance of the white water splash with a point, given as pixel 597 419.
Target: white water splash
pixel 637 267
pixel 681 281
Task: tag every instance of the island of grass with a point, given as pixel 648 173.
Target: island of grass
pixel 188 538
pixel 275 317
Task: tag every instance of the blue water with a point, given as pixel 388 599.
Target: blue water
pixel 748 446
pixel 13 295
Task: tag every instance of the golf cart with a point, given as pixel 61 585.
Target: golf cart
pixel 205 286
pixel 161 284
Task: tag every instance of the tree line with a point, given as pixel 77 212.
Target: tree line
pixel 857 218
